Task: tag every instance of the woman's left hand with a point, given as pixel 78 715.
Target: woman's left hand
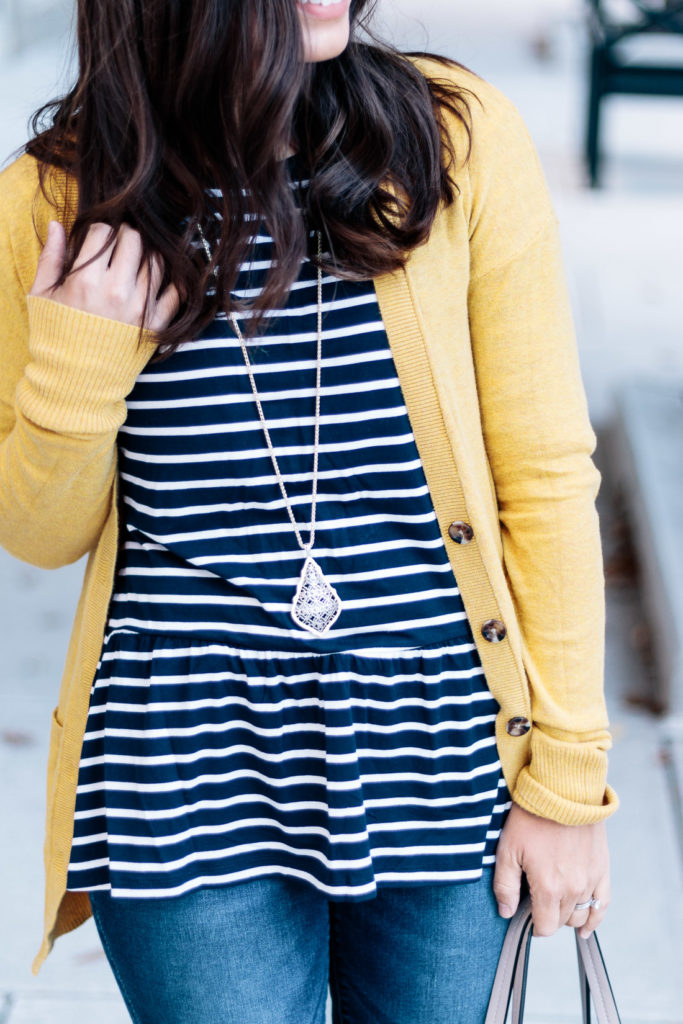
pixel 564 865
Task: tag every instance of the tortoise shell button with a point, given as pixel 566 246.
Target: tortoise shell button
pixel 461 533
pixel 518 726
pixel 494 631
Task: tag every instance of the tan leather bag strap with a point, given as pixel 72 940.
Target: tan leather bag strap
pixel 509 986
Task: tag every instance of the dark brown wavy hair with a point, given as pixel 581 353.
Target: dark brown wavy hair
pixel 184 109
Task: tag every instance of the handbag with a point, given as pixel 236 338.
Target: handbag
pixel 509 986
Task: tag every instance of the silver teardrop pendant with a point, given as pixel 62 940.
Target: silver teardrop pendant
pixel 316 605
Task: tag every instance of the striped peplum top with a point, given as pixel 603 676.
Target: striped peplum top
pixel 224 743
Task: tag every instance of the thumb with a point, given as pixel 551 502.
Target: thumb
pixel 51 261
pixel 507 883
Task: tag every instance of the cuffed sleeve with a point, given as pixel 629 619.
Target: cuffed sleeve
pixel 65 378
pixel 539 444
pixel 82 367
pixel 566 781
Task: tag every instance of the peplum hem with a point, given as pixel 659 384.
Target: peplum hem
pixel 205 764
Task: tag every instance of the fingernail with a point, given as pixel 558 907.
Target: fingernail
pixel 504 910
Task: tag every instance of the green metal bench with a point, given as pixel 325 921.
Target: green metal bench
pixel 613 70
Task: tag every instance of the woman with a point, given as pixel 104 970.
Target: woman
pixel 297 370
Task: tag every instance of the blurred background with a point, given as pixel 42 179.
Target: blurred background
pixel 621 218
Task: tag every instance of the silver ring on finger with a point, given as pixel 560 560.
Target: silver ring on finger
pixel 592 904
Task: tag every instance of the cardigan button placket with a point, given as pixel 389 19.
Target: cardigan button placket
pixel 461 533
pixel 494 631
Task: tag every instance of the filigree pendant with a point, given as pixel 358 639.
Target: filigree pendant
pixel 316 605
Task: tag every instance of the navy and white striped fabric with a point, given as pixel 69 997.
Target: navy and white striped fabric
pixel 224 743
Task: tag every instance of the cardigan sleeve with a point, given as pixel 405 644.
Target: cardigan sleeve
pixel 539 443
pixel 62 396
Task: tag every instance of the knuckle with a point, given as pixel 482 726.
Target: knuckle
pixel 78 290
pixel 86 277
pixel 545 895
pixel 117 293
pixel 97 234
pixel 503 888
pixel 505 853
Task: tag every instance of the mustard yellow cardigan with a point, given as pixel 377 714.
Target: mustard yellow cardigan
pixel 481 332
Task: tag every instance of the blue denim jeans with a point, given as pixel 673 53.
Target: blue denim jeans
pixel 264 951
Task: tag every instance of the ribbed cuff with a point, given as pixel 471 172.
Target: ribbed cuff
pixel 82 367
pixel 565 782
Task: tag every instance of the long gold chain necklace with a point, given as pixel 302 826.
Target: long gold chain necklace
pixel 316 605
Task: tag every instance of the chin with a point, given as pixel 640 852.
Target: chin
pixel 317 54
pixel 324 40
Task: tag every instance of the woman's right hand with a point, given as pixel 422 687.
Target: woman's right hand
pixel 113 285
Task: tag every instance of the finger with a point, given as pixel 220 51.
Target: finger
pixel 51 260
pixel 97 246
pixel 151 279
pixel 126 259
pixel 165 310
pixel 156 275
pixel 577 918
pixel 577 893
pixel 597 913
pixel 545 910
pixel 507 882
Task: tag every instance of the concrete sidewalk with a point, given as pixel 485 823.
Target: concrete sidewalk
pixel 624 249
